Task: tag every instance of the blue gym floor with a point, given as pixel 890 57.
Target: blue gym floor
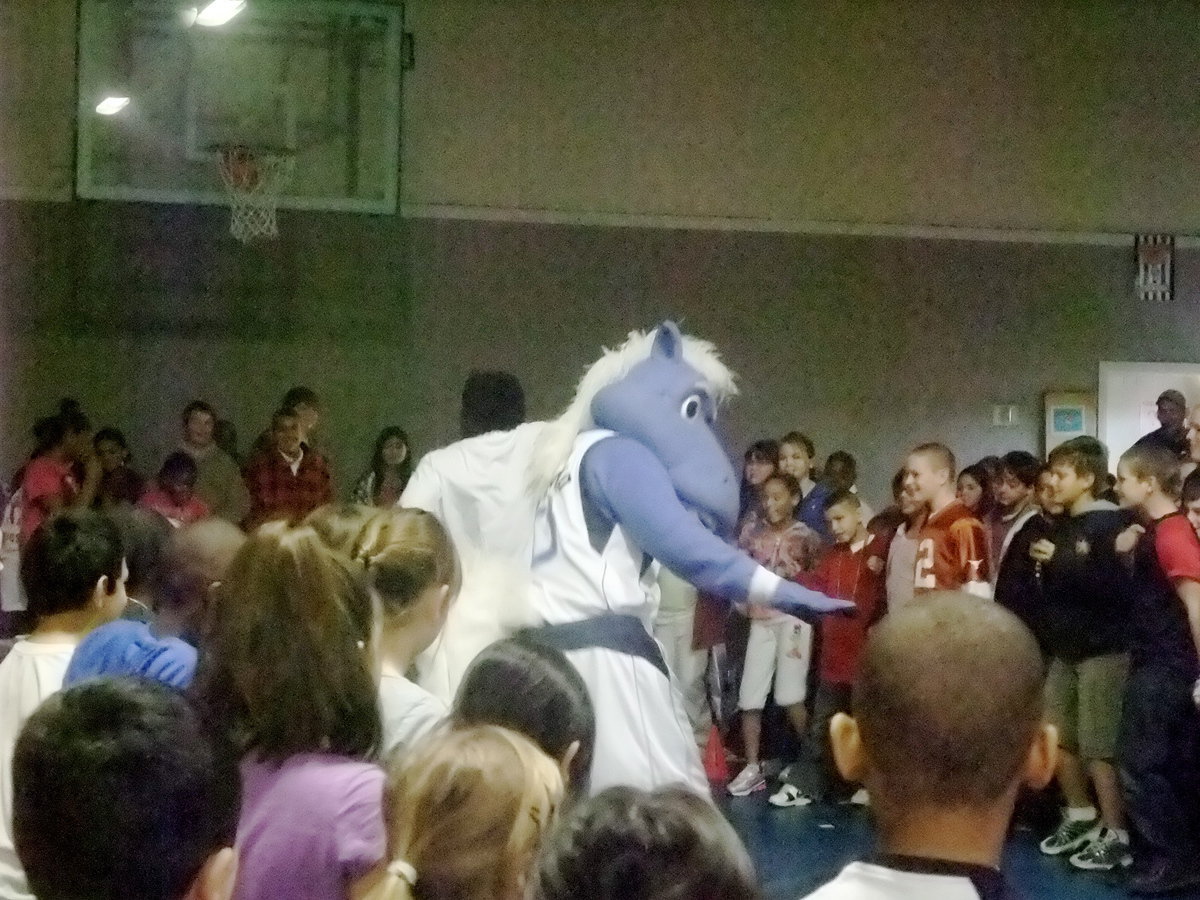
pixel 797 850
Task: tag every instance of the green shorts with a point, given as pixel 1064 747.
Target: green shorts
pixel 1083 700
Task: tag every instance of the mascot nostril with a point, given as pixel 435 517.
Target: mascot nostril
pixel 623 476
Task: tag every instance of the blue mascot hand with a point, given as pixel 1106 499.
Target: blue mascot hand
pixel 803 603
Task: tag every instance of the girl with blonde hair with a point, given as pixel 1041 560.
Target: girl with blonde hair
pixel 413 570
pixel 466 810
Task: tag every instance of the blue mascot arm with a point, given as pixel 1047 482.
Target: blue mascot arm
pixel 624 483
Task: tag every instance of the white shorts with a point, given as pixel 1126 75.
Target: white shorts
pixel 782 649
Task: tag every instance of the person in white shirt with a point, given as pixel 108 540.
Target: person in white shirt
pixel 414 573
pixel 947 726
pixel 74 572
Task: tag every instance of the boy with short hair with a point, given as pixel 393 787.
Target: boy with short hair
pixel 952 553
pixel 1013 487
pixel 121 791
pixel 1160 728
pixel 1088 594
pixel 779 646
pixel 73 571
pixel 287 480
pixel 947 726
pixel 850 570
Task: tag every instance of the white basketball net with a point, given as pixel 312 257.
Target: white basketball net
pixel 254 182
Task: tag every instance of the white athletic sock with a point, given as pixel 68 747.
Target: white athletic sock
pixel 1081 813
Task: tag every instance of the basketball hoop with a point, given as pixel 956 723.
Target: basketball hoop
pixel 254 180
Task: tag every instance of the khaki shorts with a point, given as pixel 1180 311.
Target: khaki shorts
pixel 1084 700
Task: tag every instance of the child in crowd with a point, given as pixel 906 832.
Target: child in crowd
pixel 761 462
pixel 1088 591
pixel 289 670
pixel 218 475
pixel 413 571
pixel 628 844
pixel 121 791
pixel 797 457
pixel 1190 498
pixel 1019 579
pixel 119 484
pixel 779 646
pixel 1160 729
pixel 850 570
pixel 952 553
pixel 901 568
pixel 466 812
pixel 48 481
pixel 287 479
pixel 946 728
pixel 975 491
pixel 73 569
pixel 1013 489
pixel 174 495
pixel 391 467
pixel 841 474
pixel 534 690
pixel 194 559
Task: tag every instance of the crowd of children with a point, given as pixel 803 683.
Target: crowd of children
pixel 201 710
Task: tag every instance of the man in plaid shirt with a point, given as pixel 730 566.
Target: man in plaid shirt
pixel 287 480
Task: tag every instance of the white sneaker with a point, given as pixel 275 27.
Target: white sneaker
pixel 861 798
pixel 789 795
pixel 749 780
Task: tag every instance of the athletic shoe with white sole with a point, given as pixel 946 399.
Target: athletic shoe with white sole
pixel 1105 853
pixel 749 780
pixel 789 795
pixel 1071 835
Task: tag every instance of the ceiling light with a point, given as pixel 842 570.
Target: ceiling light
pixel 219 12
pixel 110 106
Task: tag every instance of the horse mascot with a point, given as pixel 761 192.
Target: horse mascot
pixel 630 477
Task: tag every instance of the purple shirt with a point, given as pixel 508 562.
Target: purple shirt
pixel 309 828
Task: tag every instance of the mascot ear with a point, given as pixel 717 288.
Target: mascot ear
pixel 668 342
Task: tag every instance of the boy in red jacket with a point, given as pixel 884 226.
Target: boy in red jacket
pixel 850 570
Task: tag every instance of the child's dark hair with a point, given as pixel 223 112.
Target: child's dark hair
pixel 788 481
pixel 199 406
pixel 766 450
pixel 179 468
pixel 532 689
pixel 1085 456
pixel 1155 461
pixel 837 498
pixel 379 467
pixel 112 435
pixel 840 466
pixel 1191 488
pixel 1022 465
pixel 629 844
pixel 285 664
pixel 144 536
pixel 406 551
pixel 51 431
pixel 796 439
pixel 299 396
pixel 65 558
pixel 120 791
pixel 979 473
pixel 491 401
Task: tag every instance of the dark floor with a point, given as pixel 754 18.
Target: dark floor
pixel 797 850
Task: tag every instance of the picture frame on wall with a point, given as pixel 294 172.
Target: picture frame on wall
pixel 1069 414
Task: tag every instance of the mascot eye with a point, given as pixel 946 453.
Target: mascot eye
pixel 691 407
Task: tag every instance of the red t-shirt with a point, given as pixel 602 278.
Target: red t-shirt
pixel 952 550
pixel 44 479
pixel 1158 627
pixel 1177 548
